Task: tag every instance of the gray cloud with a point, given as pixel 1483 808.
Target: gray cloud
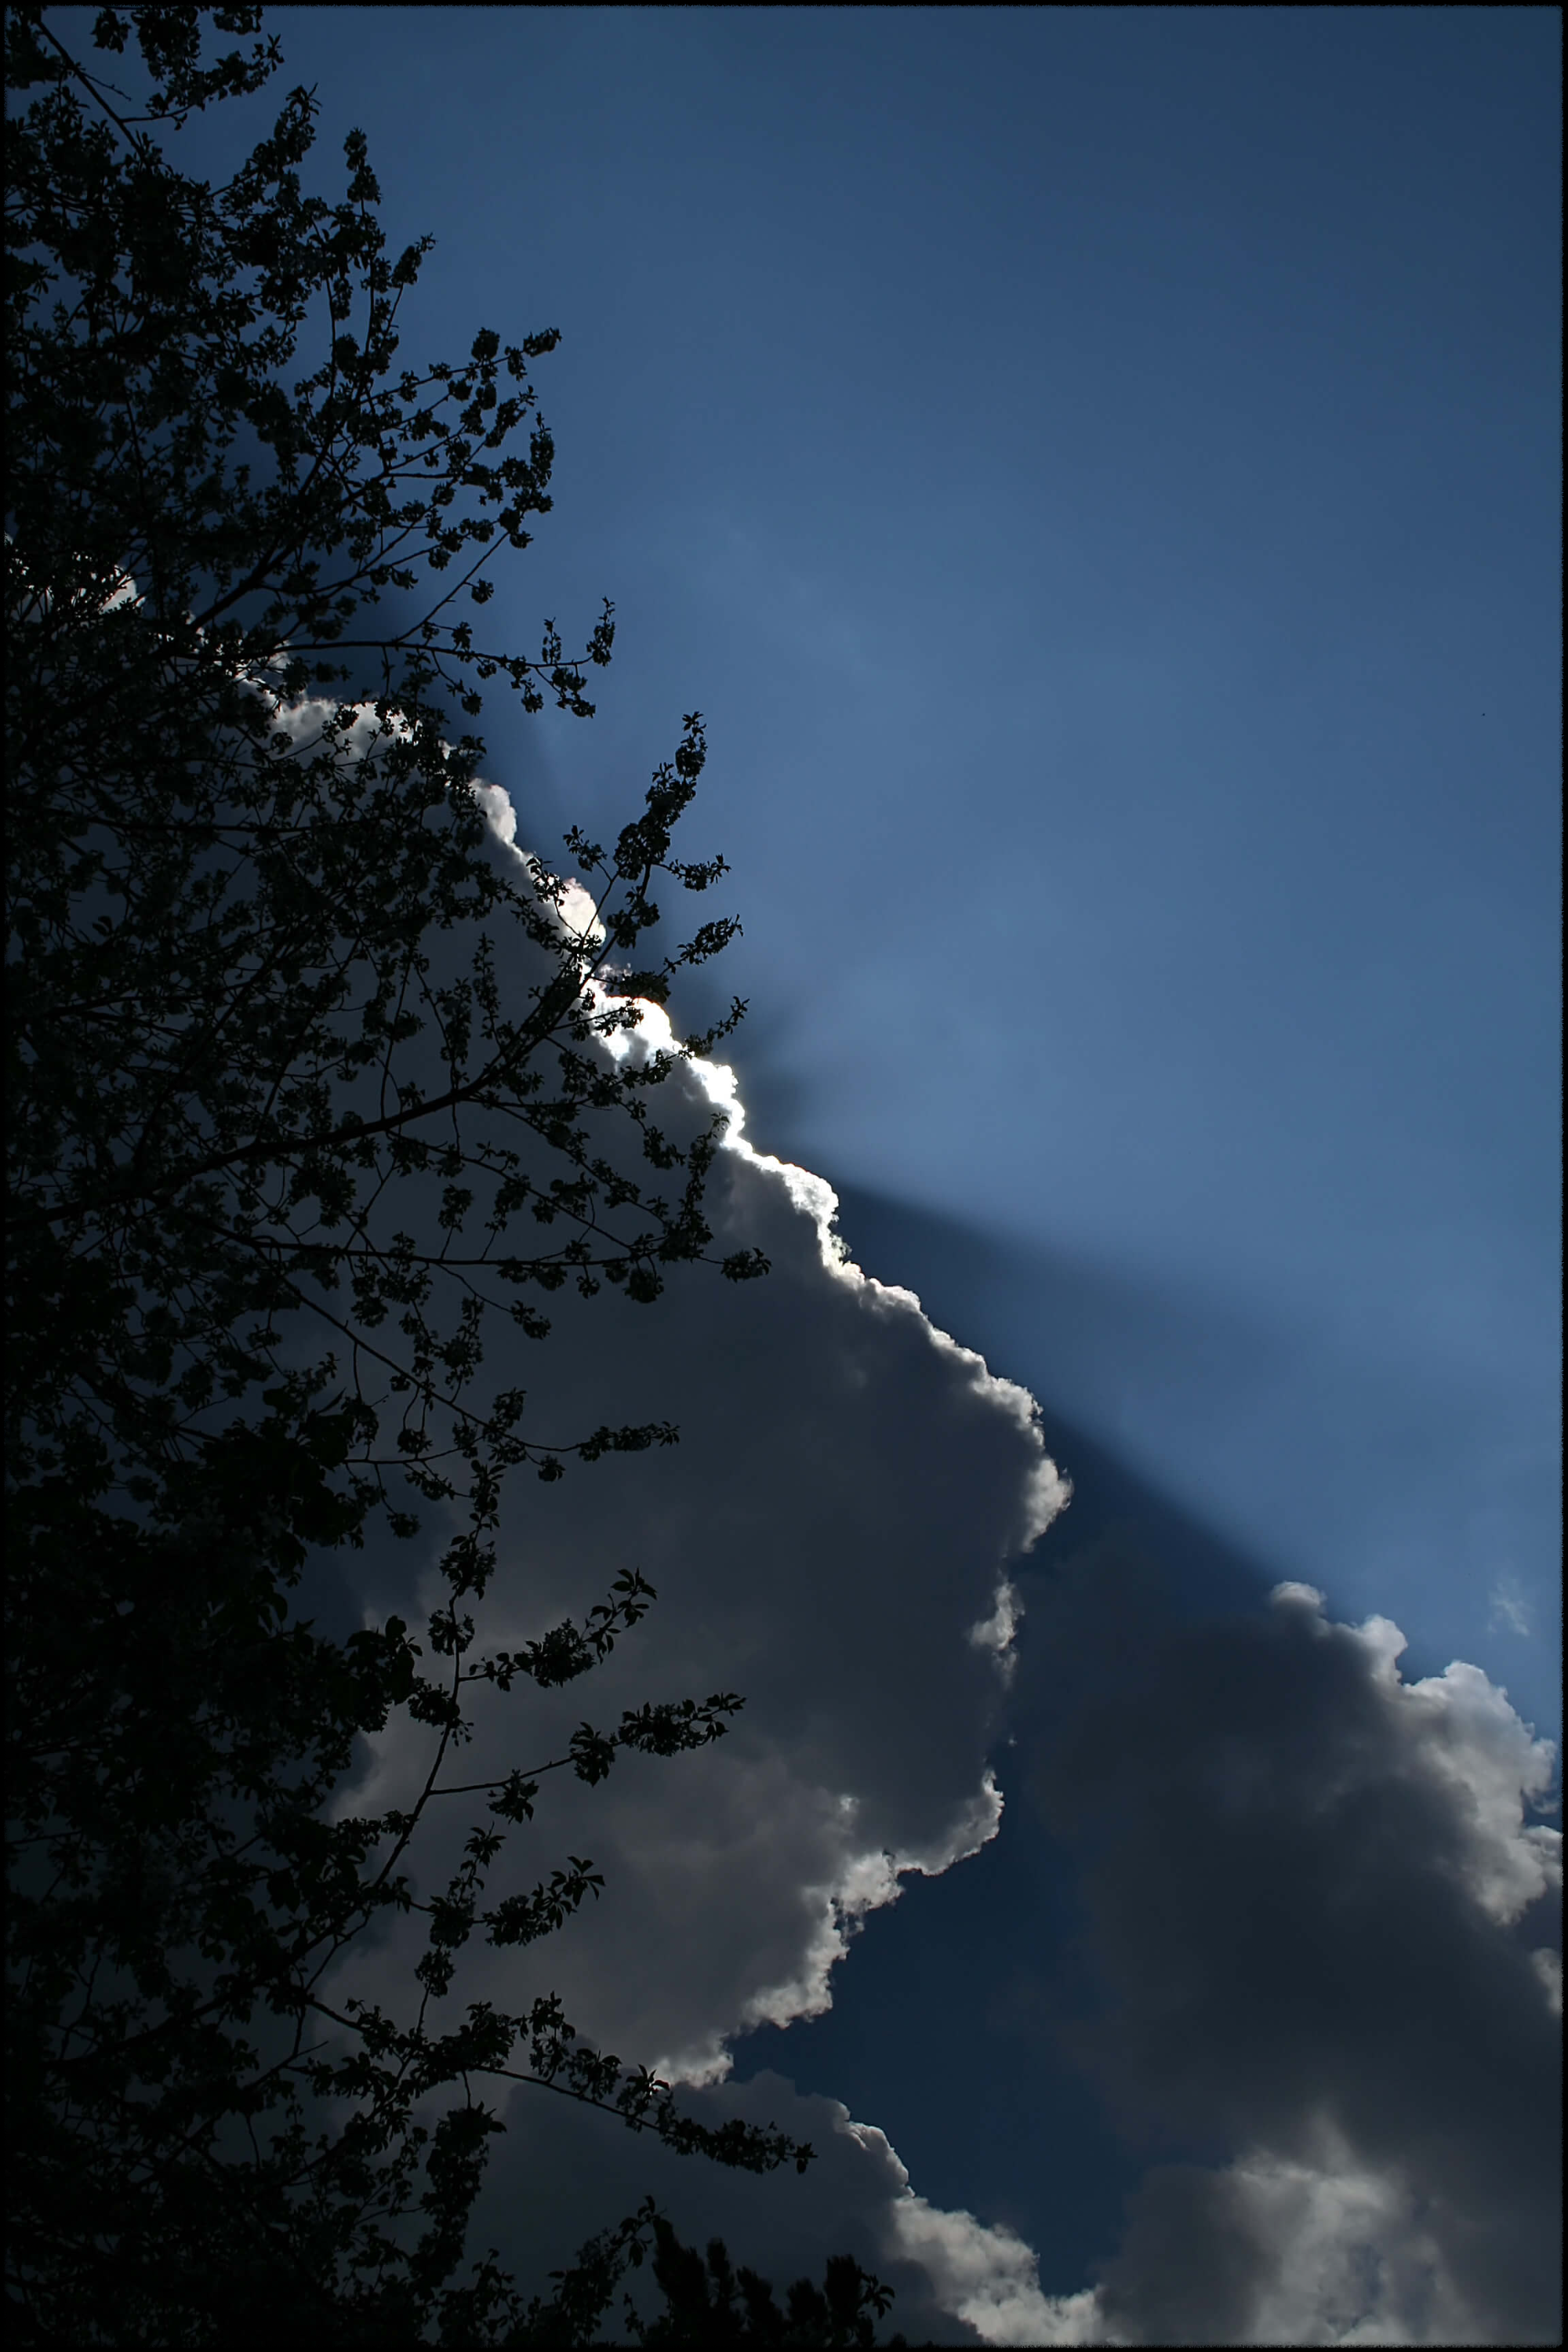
pixel 831 1538
pixel 561 2174
pixel 1323 1921
pixel 1314 1904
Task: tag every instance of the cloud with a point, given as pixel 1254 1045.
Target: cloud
pixel 1289 2250
pixel 1316 1895
pixel 561 2174
pixel 1509 1608
pixel 831 1538
pixel 1324 1922
pixel 983 2273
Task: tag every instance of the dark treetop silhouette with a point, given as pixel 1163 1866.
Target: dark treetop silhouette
pixel 274 1133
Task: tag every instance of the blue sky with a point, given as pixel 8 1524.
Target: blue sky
pixel 1096 471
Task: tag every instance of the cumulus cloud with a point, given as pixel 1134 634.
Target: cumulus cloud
pixel 561 2174
pixel 831 1538
pixel 558 2176
pixel 1319 1896
pixel 982 2273
pixel 1325 1923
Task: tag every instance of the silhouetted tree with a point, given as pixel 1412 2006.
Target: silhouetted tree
pixel 274 1122
pixel 718 2305
pixel 704 2303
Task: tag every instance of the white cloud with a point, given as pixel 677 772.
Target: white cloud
pixel 1508 1609
pixel 831 1538
pixel 1460 1729
pixel 983 2273
pixel 1315 2249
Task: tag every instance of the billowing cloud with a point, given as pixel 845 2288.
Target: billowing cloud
pixel 1317 1895
pixel 1326 1925
pixel 831 1538
pixel 561 2174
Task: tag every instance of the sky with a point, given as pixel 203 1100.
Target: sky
pixel 1096 471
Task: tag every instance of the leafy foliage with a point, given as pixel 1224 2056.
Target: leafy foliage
pixel 707 2302
pixel 719 2304
pixel 274 1119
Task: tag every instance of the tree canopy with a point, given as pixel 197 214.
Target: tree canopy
pixel 283 1136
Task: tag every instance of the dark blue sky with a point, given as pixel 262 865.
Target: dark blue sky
pixel 1097 470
